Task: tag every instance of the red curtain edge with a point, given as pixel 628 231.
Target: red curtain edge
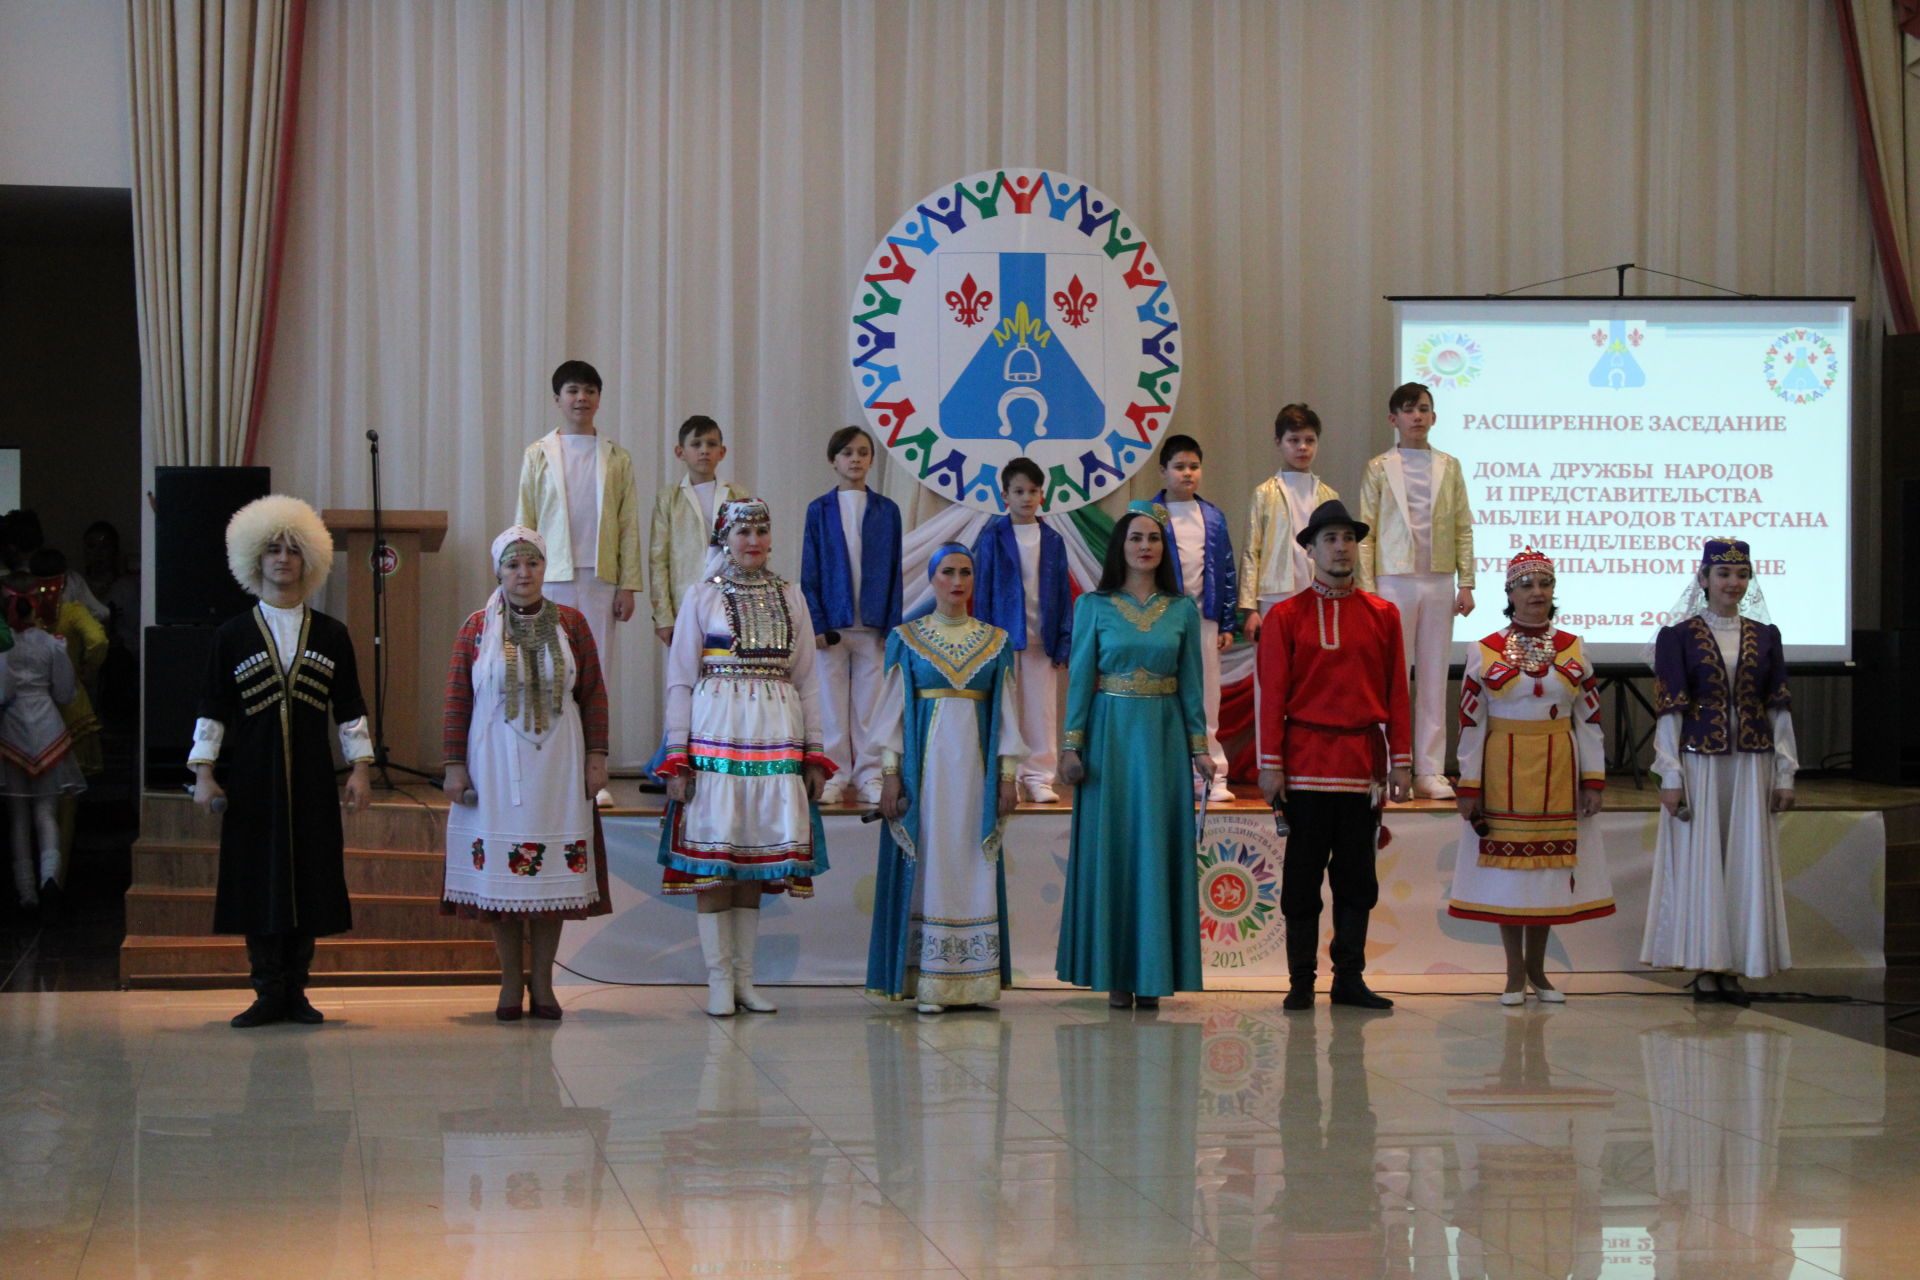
pixel 283 183
pixel 1891 267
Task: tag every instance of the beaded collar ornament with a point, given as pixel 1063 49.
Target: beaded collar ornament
pixel 1529 648
pixel 535 667
pixel 757 614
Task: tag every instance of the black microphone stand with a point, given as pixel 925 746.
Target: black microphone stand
pixel 381 763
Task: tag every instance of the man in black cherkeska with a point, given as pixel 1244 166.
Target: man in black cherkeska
pixel 280 677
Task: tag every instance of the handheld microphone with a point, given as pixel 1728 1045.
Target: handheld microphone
pixel 373 435
pixel 831 637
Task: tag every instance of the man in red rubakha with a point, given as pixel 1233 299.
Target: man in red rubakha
pixel 1335 741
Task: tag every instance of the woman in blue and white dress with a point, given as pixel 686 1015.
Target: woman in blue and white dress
pixel 949 748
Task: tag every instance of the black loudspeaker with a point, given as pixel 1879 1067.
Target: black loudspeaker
pixel 1903 558
pixel 192 505
pixel 175 666
pixel 1899 479
pixel 1886 682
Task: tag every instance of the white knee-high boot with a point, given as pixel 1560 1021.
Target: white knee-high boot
pixel 716 945
pixel 746 940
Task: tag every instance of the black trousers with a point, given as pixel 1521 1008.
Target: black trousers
pixel 279 963
pixel 1333 840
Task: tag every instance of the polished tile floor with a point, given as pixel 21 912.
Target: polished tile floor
pixel 412 1136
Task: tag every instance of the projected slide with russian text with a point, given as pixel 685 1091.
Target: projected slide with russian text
pixel 1616 435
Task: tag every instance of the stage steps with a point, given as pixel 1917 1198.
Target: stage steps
pixel 393 865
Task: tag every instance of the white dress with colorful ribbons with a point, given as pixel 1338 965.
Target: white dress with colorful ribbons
pixel 743 712
pixel 1530 742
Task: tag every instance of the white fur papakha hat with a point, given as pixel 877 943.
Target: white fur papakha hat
pixel 275 516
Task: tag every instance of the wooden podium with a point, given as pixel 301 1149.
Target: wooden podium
pixel 409 535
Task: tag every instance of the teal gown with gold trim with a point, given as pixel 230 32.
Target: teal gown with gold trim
pixel 1131 919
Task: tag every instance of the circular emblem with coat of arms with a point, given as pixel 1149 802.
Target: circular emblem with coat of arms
pixel 1800 366
pixel 1240 864
pixel 1016 312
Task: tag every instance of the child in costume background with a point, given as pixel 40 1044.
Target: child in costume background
pixel 1421 545
pixel 1274 564
pixel 680 533
pixel 850 576
pixel 576 488
pixel 1201 552
pixel 1020 586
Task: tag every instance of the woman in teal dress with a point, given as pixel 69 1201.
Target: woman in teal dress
pixel 949 744
pixel 1136 733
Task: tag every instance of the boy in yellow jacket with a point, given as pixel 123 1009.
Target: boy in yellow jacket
pixel 576 488
pixel 1420 546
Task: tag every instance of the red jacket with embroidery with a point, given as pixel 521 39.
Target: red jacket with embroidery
pixel 1332 675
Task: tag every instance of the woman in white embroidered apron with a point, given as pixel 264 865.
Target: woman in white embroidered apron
pixel 741 756
pixel 949 746
pixel 525 740
pixel 1532 774
pixel 1724 749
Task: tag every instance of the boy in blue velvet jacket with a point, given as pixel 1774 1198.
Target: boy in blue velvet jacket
pixel 850 577
pixel 1020 586
pixel 1203 567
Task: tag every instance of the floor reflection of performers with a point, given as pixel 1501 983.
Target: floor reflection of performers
pixel 1529 1164
pixel 734 1169
pixel 1330 1208
pixel 1718 1088
pixel 281 1155
pixel 521 1162
pixel 1132 1092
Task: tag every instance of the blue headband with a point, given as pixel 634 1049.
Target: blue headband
pixel 1150 509
pixel 944 550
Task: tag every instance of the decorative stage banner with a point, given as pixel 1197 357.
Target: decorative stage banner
pixel 1016 312
pixel 1833 863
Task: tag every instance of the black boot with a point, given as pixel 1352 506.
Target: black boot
pixel 299 962
pixel 1349 951
pixel 1303 951
pixel 264 958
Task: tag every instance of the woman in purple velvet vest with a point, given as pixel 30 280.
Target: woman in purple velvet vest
pixel 1724 750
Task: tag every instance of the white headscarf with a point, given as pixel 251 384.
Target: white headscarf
pixel 511 535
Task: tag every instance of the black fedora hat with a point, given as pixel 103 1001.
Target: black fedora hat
pixel 1332 511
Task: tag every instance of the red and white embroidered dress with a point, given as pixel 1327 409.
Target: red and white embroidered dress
pixel 1530 743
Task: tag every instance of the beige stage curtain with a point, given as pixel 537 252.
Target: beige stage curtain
pixel 684 194
pixel 1889 92
pixel 209 89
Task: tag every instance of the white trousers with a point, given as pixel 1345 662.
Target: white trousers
pixel 1425 601
pixel 1210 685
pixel 849 674
pixel 1039 687
pixel 594 599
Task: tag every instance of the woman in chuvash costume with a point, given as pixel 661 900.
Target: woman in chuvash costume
pixel 1136 733
pixel 950 743
pixel 1532 773
pixel 525 736
pixel 1724 749
pixel 741 756
pixel 280 679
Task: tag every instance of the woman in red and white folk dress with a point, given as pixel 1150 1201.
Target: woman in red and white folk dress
pixel 1532 774
pixel 525 740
